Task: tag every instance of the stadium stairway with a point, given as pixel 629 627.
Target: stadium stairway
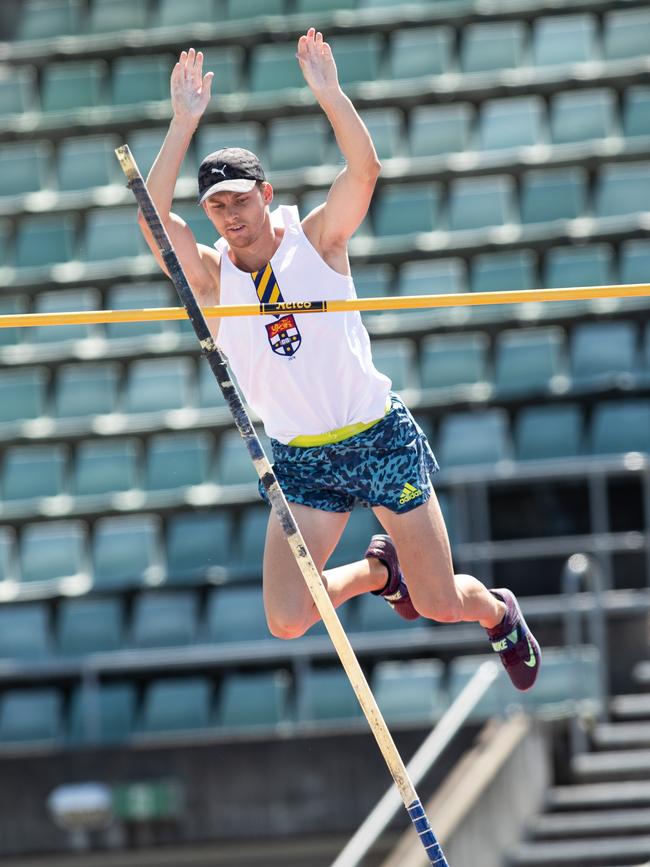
pixel 601 816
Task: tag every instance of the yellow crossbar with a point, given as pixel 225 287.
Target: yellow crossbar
pixel 407 302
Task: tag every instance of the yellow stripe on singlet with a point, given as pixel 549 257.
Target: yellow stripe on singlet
pixel 338 435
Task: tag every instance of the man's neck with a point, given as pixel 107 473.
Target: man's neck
pixel 259 254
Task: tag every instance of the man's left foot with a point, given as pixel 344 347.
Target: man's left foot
pixel 515 643
pixel 395 592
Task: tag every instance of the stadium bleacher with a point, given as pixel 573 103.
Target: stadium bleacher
pixel 515 143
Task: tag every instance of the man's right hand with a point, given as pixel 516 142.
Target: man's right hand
pixel 190 89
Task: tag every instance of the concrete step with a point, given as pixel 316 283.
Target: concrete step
pixel 611 765
pixel 593 796
pixel 586 852
pixel 594 823
pixel 630 707
pixel 621 734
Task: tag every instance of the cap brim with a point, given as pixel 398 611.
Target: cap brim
pixel 237 185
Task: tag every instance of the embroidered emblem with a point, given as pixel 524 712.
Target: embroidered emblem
pixel 284 336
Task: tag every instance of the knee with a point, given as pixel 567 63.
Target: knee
pixel 285 627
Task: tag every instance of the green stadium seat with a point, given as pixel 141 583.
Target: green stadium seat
pixel 295 143
pixel 385 127
pixel 141 79
pixel 127 552
pixel 90 626
pixel 564 39
pixel 139 296
pixel 164 619
pixel 397 360
pixel 108 16
pixel 25 631
pixel 357 57
pixel 372 281
pixel 85 390
pixel 7 554
pixel 375 615
pixel 18 90
pixel 604 354
pixel 440 129
pixel 237 10
pixel 210 394
pixel 361 525
pixel 176 704
pixel 622 189
pixel 626 33
pixel 104 714
pixel 406 208
pixel 635 261
pixel 30 715
pixel 553 194
pixel 636 111
pixel 511 123
pixel 476 203
pixel 157 385
pixel 581 115
pixel 199 545
pixel 431 277
pixel 248 553
pixel 201 227
pixel 73 85
pixel 549 431
pixel 145 145
pixel 497 272
pixel 419 51
pixel 324 5
pixel 177 460
pixel 227 62
pixel 60 301
pixel 10 304
pixel 45 19
pixel 53 550
pixel 24 168
pixel 528 360
pixel 620 426
pixel 328 695
pixel 87 162
pixel 468 438
pixel 105 466
pixel 490 46
pixel 171 13
pixel 274 67
pixel 411 690
pixel 213 137
pixel 112 234
pixel 452 360
pixel 578 266
pixel 33 471
pixel 22 393
pixel 236 614
pixel 234 466
pixel 253 699
pixel 45 240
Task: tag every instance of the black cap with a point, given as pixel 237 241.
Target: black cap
pixel 229 169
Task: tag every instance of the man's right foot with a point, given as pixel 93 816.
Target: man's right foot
pixel 515 643
pixel 395 591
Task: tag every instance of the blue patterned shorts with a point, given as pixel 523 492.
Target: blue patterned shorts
pixel 389 465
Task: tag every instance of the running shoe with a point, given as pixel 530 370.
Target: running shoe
pixel 515 643
pixel 395 592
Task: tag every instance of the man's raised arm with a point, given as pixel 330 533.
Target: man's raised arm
pixel 190 94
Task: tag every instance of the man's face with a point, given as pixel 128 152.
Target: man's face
pixel 239 217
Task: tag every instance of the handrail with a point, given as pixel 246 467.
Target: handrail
pixel 581 569
pixel 429 752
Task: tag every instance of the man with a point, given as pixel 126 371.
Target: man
pixel 339 435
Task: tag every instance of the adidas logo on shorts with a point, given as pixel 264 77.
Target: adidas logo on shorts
pixel 409 492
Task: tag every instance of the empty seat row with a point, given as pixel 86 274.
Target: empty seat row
pixel 410 53
pixel 621 190
pixel 137 550
pixel 292 143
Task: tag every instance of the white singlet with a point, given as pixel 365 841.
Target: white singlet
pixel 305 374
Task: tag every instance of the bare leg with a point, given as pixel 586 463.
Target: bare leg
pixel 420 537
pixel 290 609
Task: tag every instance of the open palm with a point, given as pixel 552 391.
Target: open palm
pixel 317 62
pixel 190 89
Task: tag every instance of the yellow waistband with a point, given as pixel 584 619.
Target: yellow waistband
pixel 338 435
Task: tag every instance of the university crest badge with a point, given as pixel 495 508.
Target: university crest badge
pixel 284 336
